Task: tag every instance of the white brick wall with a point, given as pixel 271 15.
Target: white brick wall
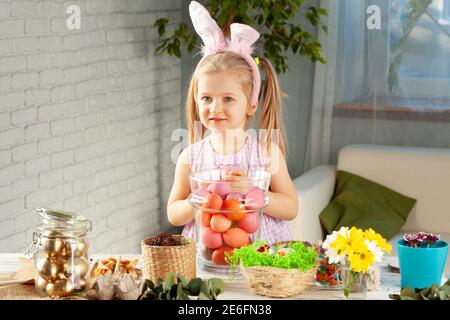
pixel 79 117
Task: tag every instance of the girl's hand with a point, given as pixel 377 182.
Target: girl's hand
pixel 238 179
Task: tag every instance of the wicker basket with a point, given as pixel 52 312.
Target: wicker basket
pixel 159 260
pixel 277 282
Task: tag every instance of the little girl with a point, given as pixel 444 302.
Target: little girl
pixel 222 98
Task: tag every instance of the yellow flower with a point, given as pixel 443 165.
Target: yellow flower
pixel 361 258
pixel 371 235
pixel 345 242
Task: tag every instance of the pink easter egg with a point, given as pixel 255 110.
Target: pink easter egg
pixel 235 195
pixel 250 222
pixel 220 223
pixel 211 239
pixel 236 237
pixel 222 188
pixel 198 195
pixel 255 199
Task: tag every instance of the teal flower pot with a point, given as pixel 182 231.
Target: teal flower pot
pixel 421 267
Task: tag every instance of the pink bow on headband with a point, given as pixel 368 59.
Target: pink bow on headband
pixel 242 37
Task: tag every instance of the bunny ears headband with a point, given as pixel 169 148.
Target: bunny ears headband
pixel 240 42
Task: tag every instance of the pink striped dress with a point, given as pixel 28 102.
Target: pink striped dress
pixel 250 159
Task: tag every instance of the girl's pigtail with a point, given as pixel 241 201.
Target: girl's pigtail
pixel 271 117
pixel 195 129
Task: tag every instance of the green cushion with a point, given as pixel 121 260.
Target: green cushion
pixel 364 204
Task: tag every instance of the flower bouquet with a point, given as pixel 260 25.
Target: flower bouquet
pixel 280 270
pixel 356 250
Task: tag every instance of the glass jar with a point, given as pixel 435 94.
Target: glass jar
pixel 355 284
pixel 60 252
pixel 227 214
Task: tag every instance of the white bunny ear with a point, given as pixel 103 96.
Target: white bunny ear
pixel 243 35
pixel 206 27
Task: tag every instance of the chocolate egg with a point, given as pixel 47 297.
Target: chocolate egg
pixel 250 222
pixel 236 237
pixel 211 239
pixel 220 223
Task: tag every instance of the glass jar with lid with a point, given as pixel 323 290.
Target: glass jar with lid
pixel 60 252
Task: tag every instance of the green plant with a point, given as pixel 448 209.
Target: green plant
pixel 181 290
pixel 428 293
pixel 289 255
pixel 272 19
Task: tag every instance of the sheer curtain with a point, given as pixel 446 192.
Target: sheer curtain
pixel 387 80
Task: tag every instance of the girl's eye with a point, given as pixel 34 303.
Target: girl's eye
pixel 206 99
pixel 228 99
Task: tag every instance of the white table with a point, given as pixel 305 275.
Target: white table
pixel 237 289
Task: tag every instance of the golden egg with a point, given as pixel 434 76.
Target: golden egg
pixel 46 268
pixel 54 246
pixel 78 249
pixel 82 284
pixel 77 267
pixel 78 284
pixel 82 249
pixel 61 264
pixel 58 288
pixel 40 285
pixel 66 252
pixel 52 233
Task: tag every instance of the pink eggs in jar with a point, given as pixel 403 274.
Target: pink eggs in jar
pixel 228 207
pixel 236 237
pixel 250 223
pixel 255 199
pixel 220 223
pixel 211 239
pixel 235 195
pixel 221 187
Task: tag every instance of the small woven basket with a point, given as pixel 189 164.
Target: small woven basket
pixel 277 282
pixel 159 260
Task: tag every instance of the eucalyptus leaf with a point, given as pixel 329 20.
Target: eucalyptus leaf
pixel 167 285
pixel 443 295
pixel 181 290
pixel 217 285
pixel 429 293
pixel 203 296
pixel 181 280
pixel 194 286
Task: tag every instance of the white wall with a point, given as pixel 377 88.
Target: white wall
pixel 85 119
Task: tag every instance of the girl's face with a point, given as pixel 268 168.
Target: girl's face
pixel 222 103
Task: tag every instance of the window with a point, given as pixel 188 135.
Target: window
pixel 419 49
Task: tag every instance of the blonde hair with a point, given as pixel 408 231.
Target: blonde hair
pixel 270 117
